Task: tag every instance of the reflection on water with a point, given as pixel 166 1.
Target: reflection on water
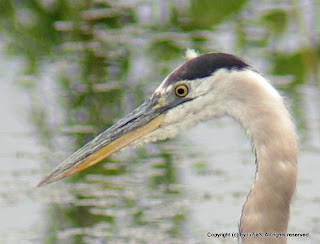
pixel 104 59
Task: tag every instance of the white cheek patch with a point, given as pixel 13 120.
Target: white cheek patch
pixel 183 117
pixel 188 114
pixel 201 87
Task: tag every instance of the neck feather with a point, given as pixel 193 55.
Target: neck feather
pixel 263 114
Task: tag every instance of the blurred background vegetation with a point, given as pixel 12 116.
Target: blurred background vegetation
pixel 105 57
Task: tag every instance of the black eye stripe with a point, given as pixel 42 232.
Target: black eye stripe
pixel 204 66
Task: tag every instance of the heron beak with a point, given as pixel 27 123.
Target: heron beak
pixel 142 121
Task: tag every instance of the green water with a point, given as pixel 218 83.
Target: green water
pixel 70 69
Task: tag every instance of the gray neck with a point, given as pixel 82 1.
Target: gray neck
pixel 262 113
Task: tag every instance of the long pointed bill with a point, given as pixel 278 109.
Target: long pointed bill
pixel 143 120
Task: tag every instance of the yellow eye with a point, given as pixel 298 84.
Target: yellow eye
pixel 181 90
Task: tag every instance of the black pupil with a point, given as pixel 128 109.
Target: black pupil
pixel 180 91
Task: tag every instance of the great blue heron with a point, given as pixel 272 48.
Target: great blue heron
pixel 205 87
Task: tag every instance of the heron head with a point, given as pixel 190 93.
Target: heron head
pixel 191 93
